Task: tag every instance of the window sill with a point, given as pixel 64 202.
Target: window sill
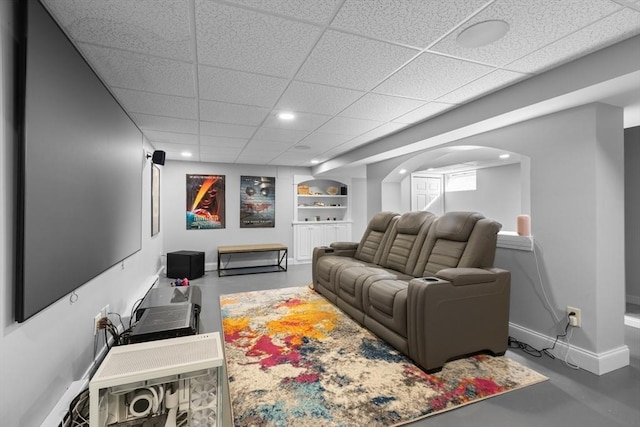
pixel 511 240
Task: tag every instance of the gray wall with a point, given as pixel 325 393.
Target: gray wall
pixel 497 195
pixel 632 212
pixel 42 356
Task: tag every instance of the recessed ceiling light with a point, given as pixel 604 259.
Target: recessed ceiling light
pixel 315 162
pixel 402 171
pixel 482 33
pixel 302 147
pixel 504 156
pixel 286 116
pixel 186 154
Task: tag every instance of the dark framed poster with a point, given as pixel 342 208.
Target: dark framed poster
pixel 205 202
pixel 155 200
pixel 257 202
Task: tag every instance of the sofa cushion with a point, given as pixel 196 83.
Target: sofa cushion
pixel 405 241
pixel 386 302
pixel 375 237
pixel 456 226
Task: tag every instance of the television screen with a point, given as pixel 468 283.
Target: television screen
pixel 79 169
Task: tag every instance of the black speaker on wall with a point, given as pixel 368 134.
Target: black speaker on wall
pixel 158 157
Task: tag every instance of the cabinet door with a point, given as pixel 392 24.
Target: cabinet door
pixel 336 233
pixel 306 238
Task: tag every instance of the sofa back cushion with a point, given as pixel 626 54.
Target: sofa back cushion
pixel 458 239
pixel 405 241
pixel 375 237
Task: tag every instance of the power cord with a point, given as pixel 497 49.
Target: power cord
pixel 532 351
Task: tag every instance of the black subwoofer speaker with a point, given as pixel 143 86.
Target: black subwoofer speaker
pixel 181 264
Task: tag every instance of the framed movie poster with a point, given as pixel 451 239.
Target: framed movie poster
pixel 257 202
pixel 205 202
pixel 155 200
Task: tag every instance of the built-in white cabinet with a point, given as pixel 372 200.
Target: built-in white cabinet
pixel 321 215
pixel 307 236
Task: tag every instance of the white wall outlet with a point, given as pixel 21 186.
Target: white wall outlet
pixel 576 319
pixel 96 323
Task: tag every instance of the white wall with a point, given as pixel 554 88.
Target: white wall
pixel 497 195
pixel 632 212
pixel 42 356
pixel 173 200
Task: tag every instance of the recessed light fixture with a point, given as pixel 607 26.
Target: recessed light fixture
pixel 186 154
pixel 402 171
pixel 315 162
pixel 504 156
pixel 302 147
pixel 482 33
pixel 285 115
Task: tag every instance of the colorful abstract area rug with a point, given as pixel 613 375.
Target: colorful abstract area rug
pixel 294 359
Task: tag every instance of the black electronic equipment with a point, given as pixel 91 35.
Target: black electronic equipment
pixel 167 313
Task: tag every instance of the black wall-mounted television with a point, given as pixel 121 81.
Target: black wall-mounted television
pixel 79 168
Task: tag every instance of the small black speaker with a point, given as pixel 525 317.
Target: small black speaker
pixel 158 157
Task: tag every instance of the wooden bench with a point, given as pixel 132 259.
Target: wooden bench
pixel 281 249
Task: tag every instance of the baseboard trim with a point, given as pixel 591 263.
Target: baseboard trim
pixel 596 363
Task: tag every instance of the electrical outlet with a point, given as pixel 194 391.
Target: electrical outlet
pixel 96 322
pixel 106 310
pixel 576 319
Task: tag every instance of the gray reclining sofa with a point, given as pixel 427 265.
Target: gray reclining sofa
pixel 424 284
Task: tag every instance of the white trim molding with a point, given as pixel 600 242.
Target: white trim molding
pixel 596 363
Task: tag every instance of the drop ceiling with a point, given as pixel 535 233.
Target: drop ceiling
pixel 210 77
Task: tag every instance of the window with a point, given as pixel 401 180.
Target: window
pixel 460 181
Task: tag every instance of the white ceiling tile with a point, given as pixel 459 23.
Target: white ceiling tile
pixel 348 126
pixel 141 72
pixel 222 141
pixel 218 158
pixel 225 129
pixel 314 98
pixel 385 129
pixel 230 113
pixel 264 146
pixel 146 121
pixel 291 159
pixel 237 87
pixel 419 114
pixel 246 40
pixel 349 61
pixel 156 27
pixel 383 108
pixel 255 160
pixel 170 137
pixel 612 29
pixel 483 86
pixel 302 121
pixel 156 104
pixel 173 151
pixel 430 76
pixel 220 151
pixel 412 22
pixel 533 24
pixel 325 140
pixel 285 135
pixel 315 11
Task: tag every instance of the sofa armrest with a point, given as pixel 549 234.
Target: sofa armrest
pixel 340 246
pixel 467 276
pixel 447 319
pixel 345 249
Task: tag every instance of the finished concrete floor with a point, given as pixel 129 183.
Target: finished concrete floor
pixel 571 398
